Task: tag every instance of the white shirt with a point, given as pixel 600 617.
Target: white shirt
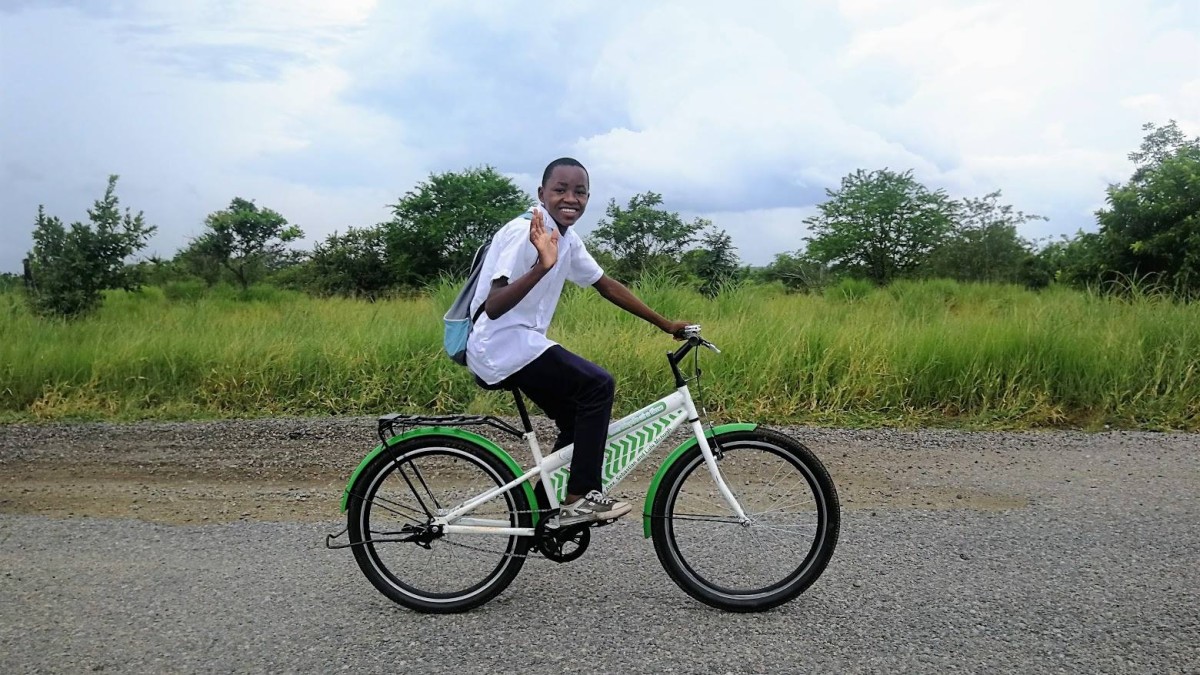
pixel 500 347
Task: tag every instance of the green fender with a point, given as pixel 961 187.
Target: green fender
pixel 444 431
pixel 674 457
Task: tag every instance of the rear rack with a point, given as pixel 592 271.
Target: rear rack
pixel 397 423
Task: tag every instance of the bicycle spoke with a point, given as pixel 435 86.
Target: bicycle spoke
pixel 781 509
pixel 412 489
pixel 433 566
pixel 760 526
pixel 773 534
pixel 712 519
pixel 425 485
pixel 387 504
pixel 773 492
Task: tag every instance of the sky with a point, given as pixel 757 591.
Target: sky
pixel 743 113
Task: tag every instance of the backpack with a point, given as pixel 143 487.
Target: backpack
pixel 457 322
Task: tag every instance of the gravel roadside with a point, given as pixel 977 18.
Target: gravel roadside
pixel 196 547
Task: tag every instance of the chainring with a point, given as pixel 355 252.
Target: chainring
pixel 562 545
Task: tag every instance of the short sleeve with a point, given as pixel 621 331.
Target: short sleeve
pixel 511 250
pixel 585 271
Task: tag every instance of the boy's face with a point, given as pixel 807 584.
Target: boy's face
pixel 565 194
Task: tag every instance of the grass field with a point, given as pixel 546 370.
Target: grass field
pixel 933 353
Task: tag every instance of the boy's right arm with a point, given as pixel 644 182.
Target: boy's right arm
pixel 504 295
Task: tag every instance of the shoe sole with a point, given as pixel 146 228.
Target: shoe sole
pixel 597 519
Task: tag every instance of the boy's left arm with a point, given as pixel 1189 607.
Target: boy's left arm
pixel 616 293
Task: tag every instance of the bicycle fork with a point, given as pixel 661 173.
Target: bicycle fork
pixel 711 460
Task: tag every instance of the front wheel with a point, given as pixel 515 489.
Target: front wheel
pixel 794 520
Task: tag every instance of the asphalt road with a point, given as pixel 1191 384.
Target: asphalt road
pixel 1087 560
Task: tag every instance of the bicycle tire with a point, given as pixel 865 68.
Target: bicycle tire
pixel 437 464
pixel 812 481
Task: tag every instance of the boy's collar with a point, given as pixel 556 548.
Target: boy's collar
pixel 562 231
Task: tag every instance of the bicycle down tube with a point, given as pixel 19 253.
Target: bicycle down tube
pixel 625 448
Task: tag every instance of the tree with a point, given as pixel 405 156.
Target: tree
pixel 437 227
pixel 246 240
pixel 1078 260
pixel 1159 145
pixel 983 244
pixel 351 264
pixel 156 271
pixel 197 260
pixel 714 262
pixel 70 267
pixel 880 225
pixel 643 237
pixel 798 272
pixel 1151 228
pixel 9 282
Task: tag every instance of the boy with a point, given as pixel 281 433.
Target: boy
pixel 526 267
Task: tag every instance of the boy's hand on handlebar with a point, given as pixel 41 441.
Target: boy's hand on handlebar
pixel 675 328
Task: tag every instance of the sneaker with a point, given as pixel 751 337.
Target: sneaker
pixel 594 507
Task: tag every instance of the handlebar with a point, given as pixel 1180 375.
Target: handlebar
pixel 691 333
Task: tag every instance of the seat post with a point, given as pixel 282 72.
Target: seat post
pixel 525 423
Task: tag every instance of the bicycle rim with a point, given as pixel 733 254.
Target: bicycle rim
pixel 793 508
pixel 455 571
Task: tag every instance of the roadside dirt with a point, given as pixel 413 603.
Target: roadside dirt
pixel 178 495
pixel 295 470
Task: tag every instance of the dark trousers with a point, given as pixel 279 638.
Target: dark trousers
pixel 578 395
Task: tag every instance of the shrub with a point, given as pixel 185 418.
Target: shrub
pixel 850 290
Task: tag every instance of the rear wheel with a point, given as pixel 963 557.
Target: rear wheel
pixel 794 513
pixel 396 498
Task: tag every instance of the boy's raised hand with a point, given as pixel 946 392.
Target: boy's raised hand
pixel 545 242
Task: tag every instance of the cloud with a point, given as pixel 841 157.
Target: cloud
pixel 727 113
pixel 1024 97
pixel 191 107
pixel 764 232
pixel 745 114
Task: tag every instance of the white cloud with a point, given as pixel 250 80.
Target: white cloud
pixel 974 96
pixel 188 129
pixel 764 233
pixel 741 113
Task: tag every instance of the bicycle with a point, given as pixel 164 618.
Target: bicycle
pixel 434 500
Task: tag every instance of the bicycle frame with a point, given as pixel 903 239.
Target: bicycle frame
pixel 630 440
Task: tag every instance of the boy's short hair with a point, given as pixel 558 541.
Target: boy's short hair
pixel 562 161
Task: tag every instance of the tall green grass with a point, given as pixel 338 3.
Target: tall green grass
pixel 914 353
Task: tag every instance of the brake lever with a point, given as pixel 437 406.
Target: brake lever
pixel 706 343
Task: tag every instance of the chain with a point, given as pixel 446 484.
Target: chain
pixel 540 512
pixel 533 547
pixel 485 550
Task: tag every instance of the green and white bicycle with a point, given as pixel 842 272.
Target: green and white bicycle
pixel 442 519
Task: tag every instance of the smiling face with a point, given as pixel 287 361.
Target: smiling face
pixel 565 194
